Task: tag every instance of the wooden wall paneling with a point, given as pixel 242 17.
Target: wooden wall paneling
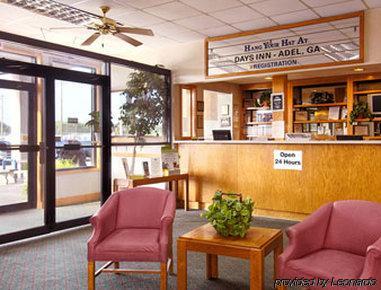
pixel 279 85
pixel 256 86
pixel 210 168
pixel 176 111
pixel 290 108
pixel 345 172
pixel 350 103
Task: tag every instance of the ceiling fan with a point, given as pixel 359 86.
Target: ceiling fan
pixel 108 26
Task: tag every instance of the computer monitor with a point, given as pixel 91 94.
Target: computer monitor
pixel 349 138
pixel 222 135
pixel 374 103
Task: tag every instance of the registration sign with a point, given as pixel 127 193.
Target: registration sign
pixel 321 42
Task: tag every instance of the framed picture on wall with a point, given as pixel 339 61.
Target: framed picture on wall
pixel 225 110
pixel 200 106
pixel 200 122
pixel 225 122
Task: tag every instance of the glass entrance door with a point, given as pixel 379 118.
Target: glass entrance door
pixel 54 148
pixel 77 149
pixel 18 155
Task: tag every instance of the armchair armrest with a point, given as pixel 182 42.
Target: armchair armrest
pixel 166 222
pixel 307 236
pixel 103 222
pixel 372 265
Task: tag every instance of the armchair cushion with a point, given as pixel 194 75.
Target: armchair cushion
pixel 354 225
pixel 130 245
pixel 143 208
pixel 133 225
pixel 327 264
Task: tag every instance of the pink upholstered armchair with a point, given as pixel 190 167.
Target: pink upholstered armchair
pixel 134 225
pixel 341 240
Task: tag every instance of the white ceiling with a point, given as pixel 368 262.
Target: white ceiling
pixel 178 21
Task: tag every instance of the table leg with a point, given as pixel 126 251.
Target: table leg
pixel 277 251
pixel 257 270
pixel 211 266
pixel 170 185
pixel 181 265
pixel 186 194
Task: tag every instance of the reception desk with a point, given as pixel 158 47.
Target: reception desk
pixel 331 170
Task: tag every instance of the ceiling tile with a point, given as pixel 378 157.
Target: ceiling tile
pixel 318 3
pixel 373 3
pixel 217 31
pixel 200 22
pixel 274 7
pixel 235 15
pixel 168 29
pixel 255 24
pixel 173 11
pixel 139 18
pixel 176 32
pixel 70 2
pixel 210 6
pixel 143 3
pixel 340 8
pixel 295 17
pixel 187 36
pixel 93 7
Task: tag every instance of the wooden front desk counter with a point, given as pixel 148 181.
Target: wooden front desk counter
pixel 332 170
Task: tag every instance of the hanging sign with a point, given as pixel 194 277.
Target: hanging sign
pixel 321 42
pixel 288 159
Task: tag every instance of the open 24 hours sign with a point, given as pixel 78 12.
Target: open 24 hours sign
pixel 288 159
pixel 321 42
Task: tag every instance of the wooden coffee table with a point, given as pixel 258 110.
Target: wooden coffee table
pixel 257 244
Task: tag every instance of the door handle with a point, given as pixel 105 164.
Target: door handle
pixel 29 148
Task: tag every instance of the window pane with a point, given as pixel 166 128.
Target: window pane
pixel 186 99
pixel 139 106
pixel 14 112
pixel 74 103
pixel 78 192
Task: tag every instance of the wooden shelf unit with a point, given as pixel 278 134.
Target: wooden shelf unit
pixel 301 89
pixel 258 123
pixel 376 119
pixel 248 95
pixel 342 104
pixel 367 92
pixel 362 86
pixel 320 121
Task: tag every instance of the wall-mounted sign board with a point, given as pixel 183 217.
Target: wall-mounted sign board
pixel 288 159
pixel 277 102
pixel 328 41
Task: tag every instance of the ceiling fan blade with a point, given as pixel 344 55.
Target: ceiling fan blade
pixel 91 39
pixel 128 39
pixel 133 30
pixel 64 28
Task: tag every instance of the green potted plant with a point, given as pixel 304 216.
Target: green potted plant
pixel 264 99
pixel 360 111
pixel 229 214
pixel 143 111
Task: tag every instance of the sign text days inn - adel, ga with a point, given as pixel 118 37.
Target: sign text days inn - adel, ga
pixel 328 41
